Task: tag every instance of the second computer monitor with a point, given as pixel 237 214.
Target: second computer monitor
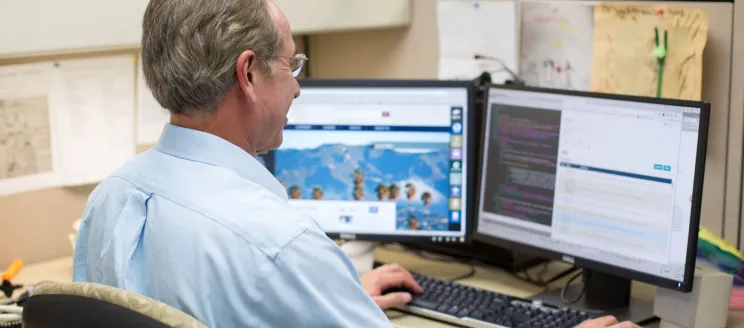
pixel 610 183
pixel 381 160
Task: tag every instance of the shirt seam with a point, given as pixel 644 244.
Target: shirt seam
pixel 183 157
pixel 150 193
pixel 186 158
pixel 288 243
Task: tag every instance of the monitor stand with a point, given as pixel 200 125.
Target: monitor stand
pixel 605 294
pixel 361 253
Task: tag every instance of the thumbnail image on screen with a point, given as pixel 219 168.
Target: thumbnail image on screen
pixel 413 175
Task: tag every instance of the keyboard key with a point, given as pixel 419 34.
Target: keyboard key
pixel 424 303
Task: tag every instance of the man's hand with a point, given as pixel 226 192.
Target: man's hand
pixel 387 277
pixel 607 322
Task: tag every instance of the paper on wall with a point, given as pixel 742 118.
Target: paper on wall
pixel 151 117
pixel 624 42
pixel 28 156
pixel 466 28
pixel 95 117
pixel 556 45
pixel 65 123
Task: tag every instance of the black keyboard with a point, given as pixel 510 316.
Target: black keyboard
pixel 472 307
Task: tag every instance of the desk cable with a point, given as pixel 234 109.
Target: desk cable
pixel 11 310
pixel 585 280
pixel 10 316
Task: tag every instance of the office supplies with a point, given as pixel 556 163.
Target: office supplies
pixel 609 183
pixel 625 56
pixel 466 28
pixel 381 160
pixel 473 307
pixel 556 44
pixel 706 306
pixel 660 52
pixel 714 251
pixel 7 287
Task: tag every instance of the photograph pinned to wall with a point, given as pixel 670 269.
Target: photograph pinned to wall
pixel 647 50
pixel 556 45
pixel 469 28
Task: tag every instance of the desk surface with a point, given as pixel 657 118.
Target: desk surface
pixel 486 278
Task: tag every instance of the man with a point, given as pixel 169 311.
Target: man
pixel 358 193
pixel 295 192
pixel 394 191
pixel 426 199
pixel 410 191
pixel 317 193
pixel 413 223
pixel 198 222
pixel 382 192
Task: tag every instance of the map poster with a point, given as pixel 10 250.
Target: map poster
pixel 25 141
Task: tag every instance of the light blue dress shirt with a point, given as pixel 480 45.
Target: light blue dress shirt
pixel 201 225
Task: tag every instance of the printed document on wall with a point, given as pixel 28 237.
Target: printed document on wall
pixel 467 28
pixel 649 50
pixel 151 117
pixel 556 45
pixel 28 156
pixel 96 117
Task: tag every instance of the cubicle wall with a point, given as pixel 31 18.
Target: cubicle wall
pixel 43 218
pixel 412 53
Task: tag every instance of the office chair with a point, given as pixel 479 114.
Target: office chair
pixel 54 304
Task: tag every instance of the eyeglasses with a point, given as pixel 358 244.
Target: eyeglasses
pixel 296 63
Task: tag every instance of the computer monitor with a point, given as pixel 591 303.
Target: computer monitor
pixel 609 183
pixel 381 160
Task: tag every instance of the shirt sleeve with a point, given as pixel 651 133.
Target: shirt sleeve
pixel 320 286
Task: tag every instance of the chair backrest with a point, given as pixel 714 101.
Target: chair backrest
pixel 79 304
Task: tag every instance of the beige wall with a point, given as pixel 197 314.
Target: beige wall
pixel 35 224
pixel 392 53
pixel 412 53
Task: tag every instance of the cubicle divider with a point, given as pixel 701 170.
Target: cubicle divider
pixel 412 53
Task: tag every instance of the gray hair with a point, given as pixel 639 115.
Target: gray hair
pixel 189 49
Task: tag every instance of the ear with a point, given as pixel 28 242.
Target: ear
pixel 247 68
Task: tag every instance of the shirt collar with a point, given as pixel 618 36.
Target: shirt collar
pixel 210 149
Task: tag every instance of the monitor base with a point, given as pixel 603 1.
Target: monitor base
pixel 361 254
pixel 639 311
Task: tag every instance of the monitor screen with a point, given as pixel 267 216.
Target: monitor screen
pixel 380 160
pixel 610 183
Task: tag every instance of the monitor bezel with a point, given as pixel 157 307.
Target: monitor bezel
pixel 472 147
pixel 695 212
